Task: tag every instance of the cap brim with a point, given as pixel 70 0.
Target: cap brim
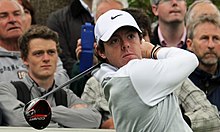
pixel 112 30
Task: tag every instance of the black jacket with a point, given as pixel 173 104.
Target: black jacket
pixel 208 83
pixel 67 23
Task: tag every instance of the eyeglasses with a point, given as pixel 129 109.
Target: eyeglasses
pixel 169 1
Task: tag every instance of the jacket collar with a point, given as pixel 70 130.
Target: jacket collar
pixel 205 75
pixel 77 8
pixel 32 84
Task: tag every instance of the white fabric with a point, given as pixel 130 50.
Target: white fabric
pixel 157 77
pixel 114 19
pixel 105 71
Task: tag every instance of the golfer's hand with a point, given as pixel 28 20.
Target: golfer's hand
pixel 146 48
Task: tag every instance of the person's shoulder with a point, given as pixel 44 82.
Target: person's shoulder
pixel 93 83
pixel 60 12
pixel 187 87
pixel 155 38
pixel 7 86
pixel 93 80
pixel 57 17
pixel 3 83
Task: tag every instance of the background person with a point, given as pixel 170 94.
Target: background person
pixel 12 26
pixel 67 23
pixel 39 51
pixel 29 13
pixel 198 8
pixel 101 6
pixel 204 41
pixel 171 30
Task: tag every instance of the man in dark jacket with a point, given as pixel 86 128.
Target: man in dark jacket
pixel 170 30
pixel 67 23
pixel 204 41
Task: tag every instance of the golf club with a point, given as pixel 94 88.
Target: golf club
pixel 37 112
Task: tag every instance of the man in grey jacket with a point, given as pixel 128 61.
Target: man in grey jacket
pixel 39 51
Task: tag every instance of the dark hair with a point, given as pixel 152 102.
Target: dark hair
pixel 142 19
pixel 36 31
pixel 27 5
pixel 100 48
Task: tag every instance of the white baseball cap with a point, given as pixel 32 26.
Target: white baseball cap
pixel 112 20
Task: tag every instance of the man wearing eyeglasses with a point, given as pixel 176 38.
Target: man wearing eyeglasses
pixel 170 30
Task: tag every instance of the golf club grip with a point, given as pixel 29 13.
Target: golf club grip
pixel 72 80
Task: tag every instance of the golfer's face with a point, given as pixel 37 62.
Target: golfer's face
pixel 123 46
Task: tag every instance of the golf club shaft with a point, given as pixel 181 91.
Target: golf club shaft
pixel 72 80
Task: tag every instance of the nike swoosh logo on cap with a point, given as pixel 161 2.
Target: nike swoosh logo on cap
pixel 113 17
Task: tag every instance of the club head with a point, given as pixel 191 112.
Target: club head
pixel 37 113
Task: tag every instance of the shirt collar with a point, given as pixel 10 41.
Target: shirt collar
pixel 86 7
pixel 163 42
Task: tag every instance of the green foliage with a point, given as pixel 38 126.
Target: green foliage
pixel 142 4
pixel 145 5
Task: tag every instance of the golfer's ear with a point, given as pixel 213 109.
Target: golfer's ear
pixel 101 54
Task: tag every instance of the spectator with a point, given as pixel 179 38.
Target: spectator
pixel 39 48
pixel 200 7
pixel 44 7
pixel 119 45
pixel 197 111
pixel 204 41
pixel 171 30
pixel 29 13
pixel 11 28
pixel 101 7
pixel 142 20
pixel 67 23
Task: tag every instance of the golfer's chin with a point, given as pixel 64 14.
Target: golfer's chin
pixel 130 57
pixel 126 60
